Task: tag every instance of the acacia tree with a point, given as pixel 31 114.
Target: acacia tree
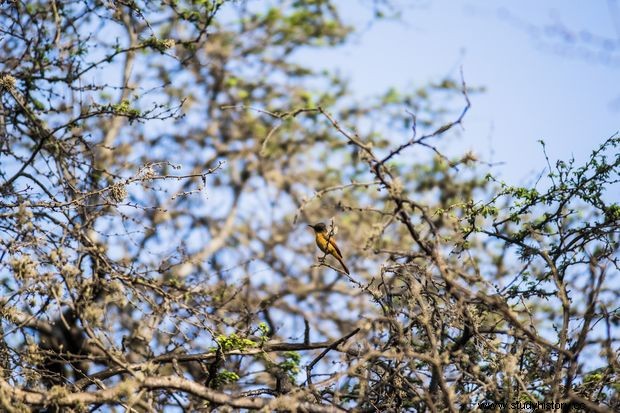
pixel 159 164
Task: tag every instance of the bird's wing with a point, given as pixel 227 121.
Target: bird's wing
pixel 332 242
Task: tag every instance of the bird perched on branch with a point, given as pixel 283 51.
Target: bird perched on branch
pixel 326 242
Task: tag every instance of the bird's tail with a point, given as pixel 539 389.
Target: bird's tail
pixel 344 267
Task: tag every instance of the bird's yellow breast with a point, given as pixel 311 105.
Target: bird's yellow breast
pixel 321 242
pixel 327 246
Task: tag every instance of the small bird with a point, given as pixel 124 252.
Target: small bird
pixel 326 242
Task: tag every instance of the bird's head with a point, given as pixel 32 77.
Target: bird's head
pixel 320 227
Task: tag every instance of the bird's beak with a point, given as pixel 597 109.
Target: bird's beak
pixel 311 226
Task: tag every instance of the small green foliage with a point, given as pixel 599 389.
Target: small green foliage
pixel 488 210
pixel 80 50
pixel 124 108
pixel 593 377
pixel 392 96
pixel 524 193
pixel 307 98
pixel 190 15
pixel 272 15
pixel 231 81
pixel 38 104
pixel 225 377
pixel 263 329
pixel 234 342
pixel 612 212
pixel 291 362
pixel 447 84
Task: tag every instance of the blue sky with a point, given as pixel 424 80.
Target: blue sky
pixel 536 87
